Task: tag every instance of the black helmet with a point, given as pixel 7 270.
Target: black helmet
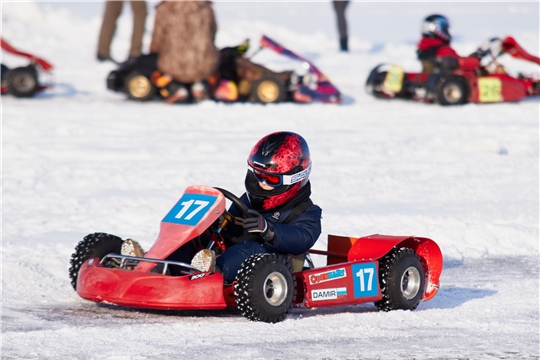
pixel 281 160
pixel 436 26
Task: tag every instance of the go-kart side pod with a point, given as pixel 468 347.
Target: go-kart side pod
pixel 153 291
pixel 374 247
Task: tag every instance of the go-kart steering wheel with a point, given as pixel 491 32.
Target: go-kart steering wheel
pixel 235 200
pixel 236 220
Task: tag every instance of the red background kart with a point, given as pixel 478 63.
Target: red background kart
pixel 456 83
pixel 23 81
pixel 394 272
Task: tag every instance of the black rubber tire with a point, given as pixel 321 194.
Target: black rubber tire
pixel 139 87
pixel 93 245
pixel 23 81
pixel 374 81
pixel 268 89
pixel 5 71
pixel 451 90
pixel 265 288
pixel 402 280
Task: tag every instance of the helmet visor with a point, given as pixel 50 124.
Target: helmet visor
pixel 275 180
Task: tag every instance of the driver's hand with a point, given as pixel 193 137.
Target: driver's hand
pixel 257 224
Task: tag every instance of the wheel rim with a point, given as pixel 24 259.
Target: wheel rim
pixel 275 288
pixel 24 82
pixel 410 283
pixel 268 91
pixel 139 86
pixel 452 93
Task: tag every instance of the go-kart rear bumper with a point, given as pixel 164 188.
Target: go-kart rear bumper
pixel 154 291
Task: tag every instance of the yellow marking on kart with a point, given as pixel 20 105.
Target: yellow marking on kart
pixel 489 89
pixel 394 79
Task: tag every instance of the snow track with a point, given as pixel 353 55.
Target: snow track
pixel 79 159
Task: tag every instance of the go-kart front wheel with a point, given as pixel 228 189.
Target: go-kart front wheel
pixel 139 87
pixel 268 89
pixel 402 280
pixel 93 245
pixel 23 81
pixel 265 288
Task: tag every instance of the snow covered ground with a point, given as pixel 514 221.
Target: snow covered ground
pixel 79 159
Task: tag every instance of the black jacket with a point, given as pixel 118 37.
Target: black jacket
pixel 295 237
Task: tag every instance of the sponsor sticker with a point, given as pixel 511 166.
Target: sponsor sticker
pixel 328 294
pixel 300 176
pixel 327 276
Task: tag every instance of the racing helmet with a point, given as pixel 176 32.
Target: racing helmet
pixel 282 161
pixel 436 26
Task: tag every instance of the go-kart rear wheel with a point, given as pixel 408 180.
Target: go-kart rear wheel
pixel 401 279
pixel 93 245
pixel 139 87
pixel 23 81
pixel 268 89
pixel 265 288
pixel 451 90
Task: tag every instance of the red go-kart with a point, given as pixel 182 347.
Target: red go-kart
pixel 454 82
pixel 23 81
pixel 394 272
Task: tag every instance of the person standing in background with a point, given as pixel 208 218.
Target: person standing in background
pixel 183 40
pixel 113 10
pixel 339 7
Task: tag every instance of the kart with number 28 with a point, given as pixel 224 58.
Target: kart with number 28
pixel 394 272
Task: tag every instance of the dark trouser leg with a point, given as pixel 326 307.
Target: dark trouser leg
pixel 231 260
pixel 108 27
pixel 340 7
pixel 139 20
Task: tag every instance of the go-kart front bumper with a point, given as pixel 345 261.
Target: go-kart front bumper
pixel 148 290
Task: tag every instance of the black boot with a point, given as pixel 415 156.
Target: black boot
pixel 344 44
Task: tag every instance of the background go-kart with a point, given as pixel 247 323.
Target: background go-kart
pixel 78 159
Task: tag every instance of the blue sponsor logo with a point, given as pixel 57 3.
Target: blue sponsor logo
pixel 190 209
pixel 366 280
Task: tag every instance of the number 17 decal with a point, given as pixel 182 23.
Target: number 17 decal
pixel 366 280
pixel 200 204
pixel 190 209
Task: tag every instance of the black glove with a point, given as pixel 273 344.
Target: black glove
pixel 256 224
